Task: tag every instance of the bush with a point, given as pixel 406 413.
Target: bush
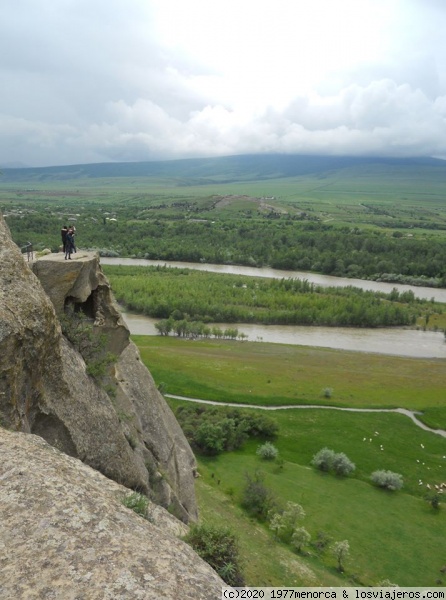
pixel 219 548
pixel 434 500
pixel 214 430
pixel 323 459
pixel 321 542
pixel 328 460
pixel 136 502
pixel 387 479
pixel 260 425
pixel 342 465
pixel 267 451
pixel 98 368
pixel 78 329
pixel 209 438
pixel 257 499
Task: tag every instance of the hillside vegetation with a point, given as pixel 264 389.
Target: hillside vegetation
pixel 184 295
pixel 367 218
pixel 402 535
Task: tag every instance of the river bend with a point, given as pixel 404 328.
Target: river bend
pixel 391 341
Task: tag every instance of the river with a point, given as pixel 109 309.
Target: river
pixel 438 294
pixel 390 341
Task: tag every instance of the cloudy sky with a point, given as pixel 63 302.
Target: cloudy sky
pixel 123 80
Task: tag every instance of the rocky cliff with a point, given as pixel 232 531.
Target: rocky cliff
pixel 129 434
pixel 66 534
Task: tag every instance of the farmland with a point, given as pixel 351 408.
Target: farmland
pixel 363 218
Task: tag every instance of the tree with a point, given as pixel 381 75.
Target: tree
pixel 283 523
pixel 341 551
pixel 209 438
pixel 267 451
pixel 164 326
pixel 300 538
pixel 217 429
pixel 276 524
pixel 257 499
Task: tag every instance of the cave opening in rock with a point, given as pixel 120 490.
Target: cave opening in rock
pixel 87 307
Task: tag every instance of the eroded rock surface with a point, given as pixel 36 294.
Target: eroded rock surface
pixel 66 535
pixel 131 436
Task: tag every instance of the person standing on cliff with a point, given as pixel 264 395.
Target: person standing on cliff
pixel 72 230
pixel 69 244
pixel 63 233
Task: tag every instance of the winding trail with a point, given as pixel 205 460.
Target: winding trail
pixel 402 411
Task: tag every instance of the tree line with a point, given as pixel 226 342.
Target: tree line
pixel 176 295
pixel 282 243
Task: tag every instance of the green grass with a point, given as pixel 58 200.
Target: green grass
pixel 416 454
pixel 392 536
pixel 275 374
pixel 339 193
pixel 261 565
pixel 136 502
pixel 395 536
pixel 361 436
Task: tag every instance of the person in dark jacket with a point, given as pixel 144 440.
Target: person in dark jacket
pixel 72 230
pixel 63 233
pixel 69 244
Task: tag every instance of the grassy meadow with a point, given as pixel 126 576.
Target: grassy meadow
pixel 280 374
pixel 377 199
pixel 395 536
pixel 394 194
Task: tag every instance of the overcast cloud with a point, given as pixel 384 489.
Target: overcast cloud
pixel 130 80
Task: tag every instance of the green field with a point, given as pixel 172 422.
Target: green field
pixel 397 537
pixel 352 190
pixel 392 536
pixel 276 374
pixel 378 197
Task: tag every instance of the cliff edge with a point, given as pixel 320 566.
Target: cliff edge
pixel 129 435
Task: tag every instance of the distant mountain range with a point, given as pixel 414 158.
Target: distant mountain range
pixel 223 169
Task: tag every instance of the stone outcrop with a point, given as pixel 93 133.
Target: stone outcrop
pixel 66 535
pixel 130 436
pixel 80 282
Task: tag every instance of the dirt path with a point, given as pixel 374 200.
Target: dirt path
pixel 402 411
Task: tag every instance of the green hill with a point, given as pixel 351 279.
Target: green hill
pixel 235 168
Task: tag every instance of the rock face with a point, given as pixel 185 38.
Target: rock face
pixel 130 436
pixel 66 535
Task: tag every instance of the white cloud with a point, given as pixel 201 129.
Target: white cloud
pixel 90 81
